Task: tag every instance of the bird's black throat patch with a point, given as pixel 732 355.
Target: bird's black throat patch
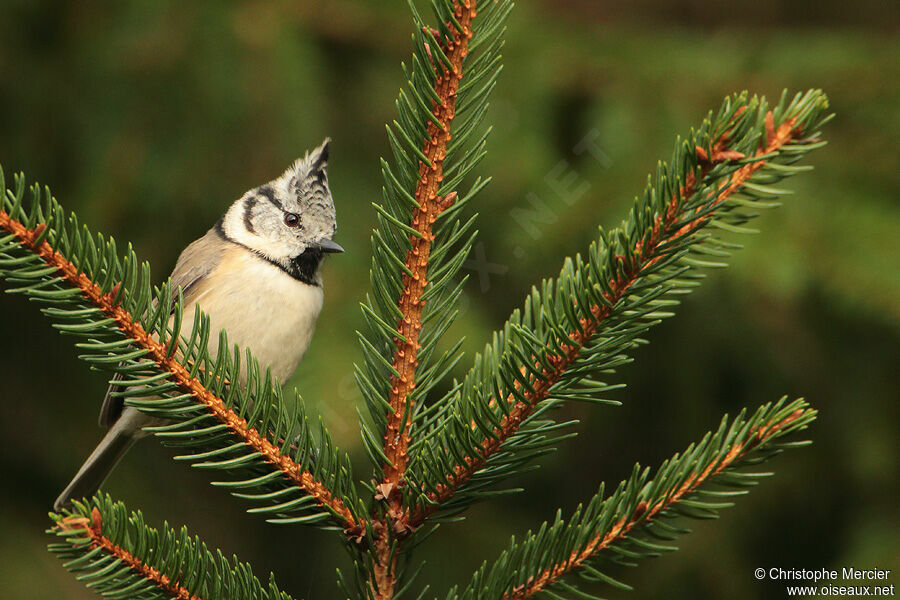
pixel 304 266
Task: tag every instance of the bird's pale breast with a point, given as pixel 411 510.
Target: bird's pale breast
pixel 261 308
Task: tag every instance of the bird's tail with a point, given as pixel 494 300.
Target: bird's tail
pixel 98 465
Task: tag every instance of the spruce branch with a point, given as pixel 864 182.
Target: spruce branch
pixel 635 521
pixel 95 295
pixel 587 319
pixel 117 555
pixel 420 243
pixel 428 207
pixel 420 246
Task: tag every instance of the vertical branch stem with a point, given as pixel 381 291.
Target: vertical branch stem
pixel 410 303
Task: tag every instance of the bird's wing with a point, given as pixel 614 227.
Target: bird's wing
pixel 197 261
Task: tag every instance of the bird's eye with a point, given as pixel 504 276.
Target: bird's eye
pixel 291 219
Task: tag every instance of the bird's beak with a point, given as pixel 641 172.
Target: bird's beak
pixel 328 246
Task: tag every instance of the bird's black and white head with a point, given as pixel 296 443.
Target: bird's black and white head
pixel 290 220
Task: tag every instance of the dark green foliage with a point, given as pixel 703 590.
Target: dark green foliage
pixel 709 476
pixel 206 442
pixel 185 561
pixel 538 336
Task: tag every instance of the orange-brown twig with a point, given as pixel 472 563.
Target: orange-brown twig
pixel 94 530
pixel 410 303
pixel 645 257
pixel 645 513
pixel 179 373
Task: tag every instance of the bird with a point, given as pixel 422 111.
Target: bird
pixel 256 274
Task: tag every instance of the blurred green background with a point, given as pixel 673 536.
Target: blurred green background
pixel 149 117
